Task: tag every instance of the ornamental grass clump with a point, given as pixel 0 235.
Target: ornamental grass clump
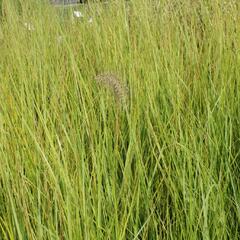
pixel 77 163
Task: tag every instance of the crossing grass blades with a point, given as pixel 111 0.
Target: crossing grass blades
pixel 124 127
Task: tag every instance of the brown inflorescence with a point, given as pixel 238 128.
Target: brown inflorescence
pixel 111 81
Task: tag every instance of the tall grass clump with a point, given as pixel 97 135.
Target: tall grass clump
pixel 75 164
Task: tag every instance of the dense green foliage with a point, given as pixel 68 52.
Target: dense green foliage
pixel 75 164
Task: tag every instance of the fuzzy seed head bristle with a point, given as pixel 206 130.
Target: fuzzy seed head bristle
pixel 112 82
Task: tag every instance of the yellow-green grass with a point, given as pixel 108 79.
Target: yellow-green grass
pixel 76 164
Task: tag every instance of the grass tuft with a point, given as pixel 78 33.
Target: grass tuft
pixel 74 166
